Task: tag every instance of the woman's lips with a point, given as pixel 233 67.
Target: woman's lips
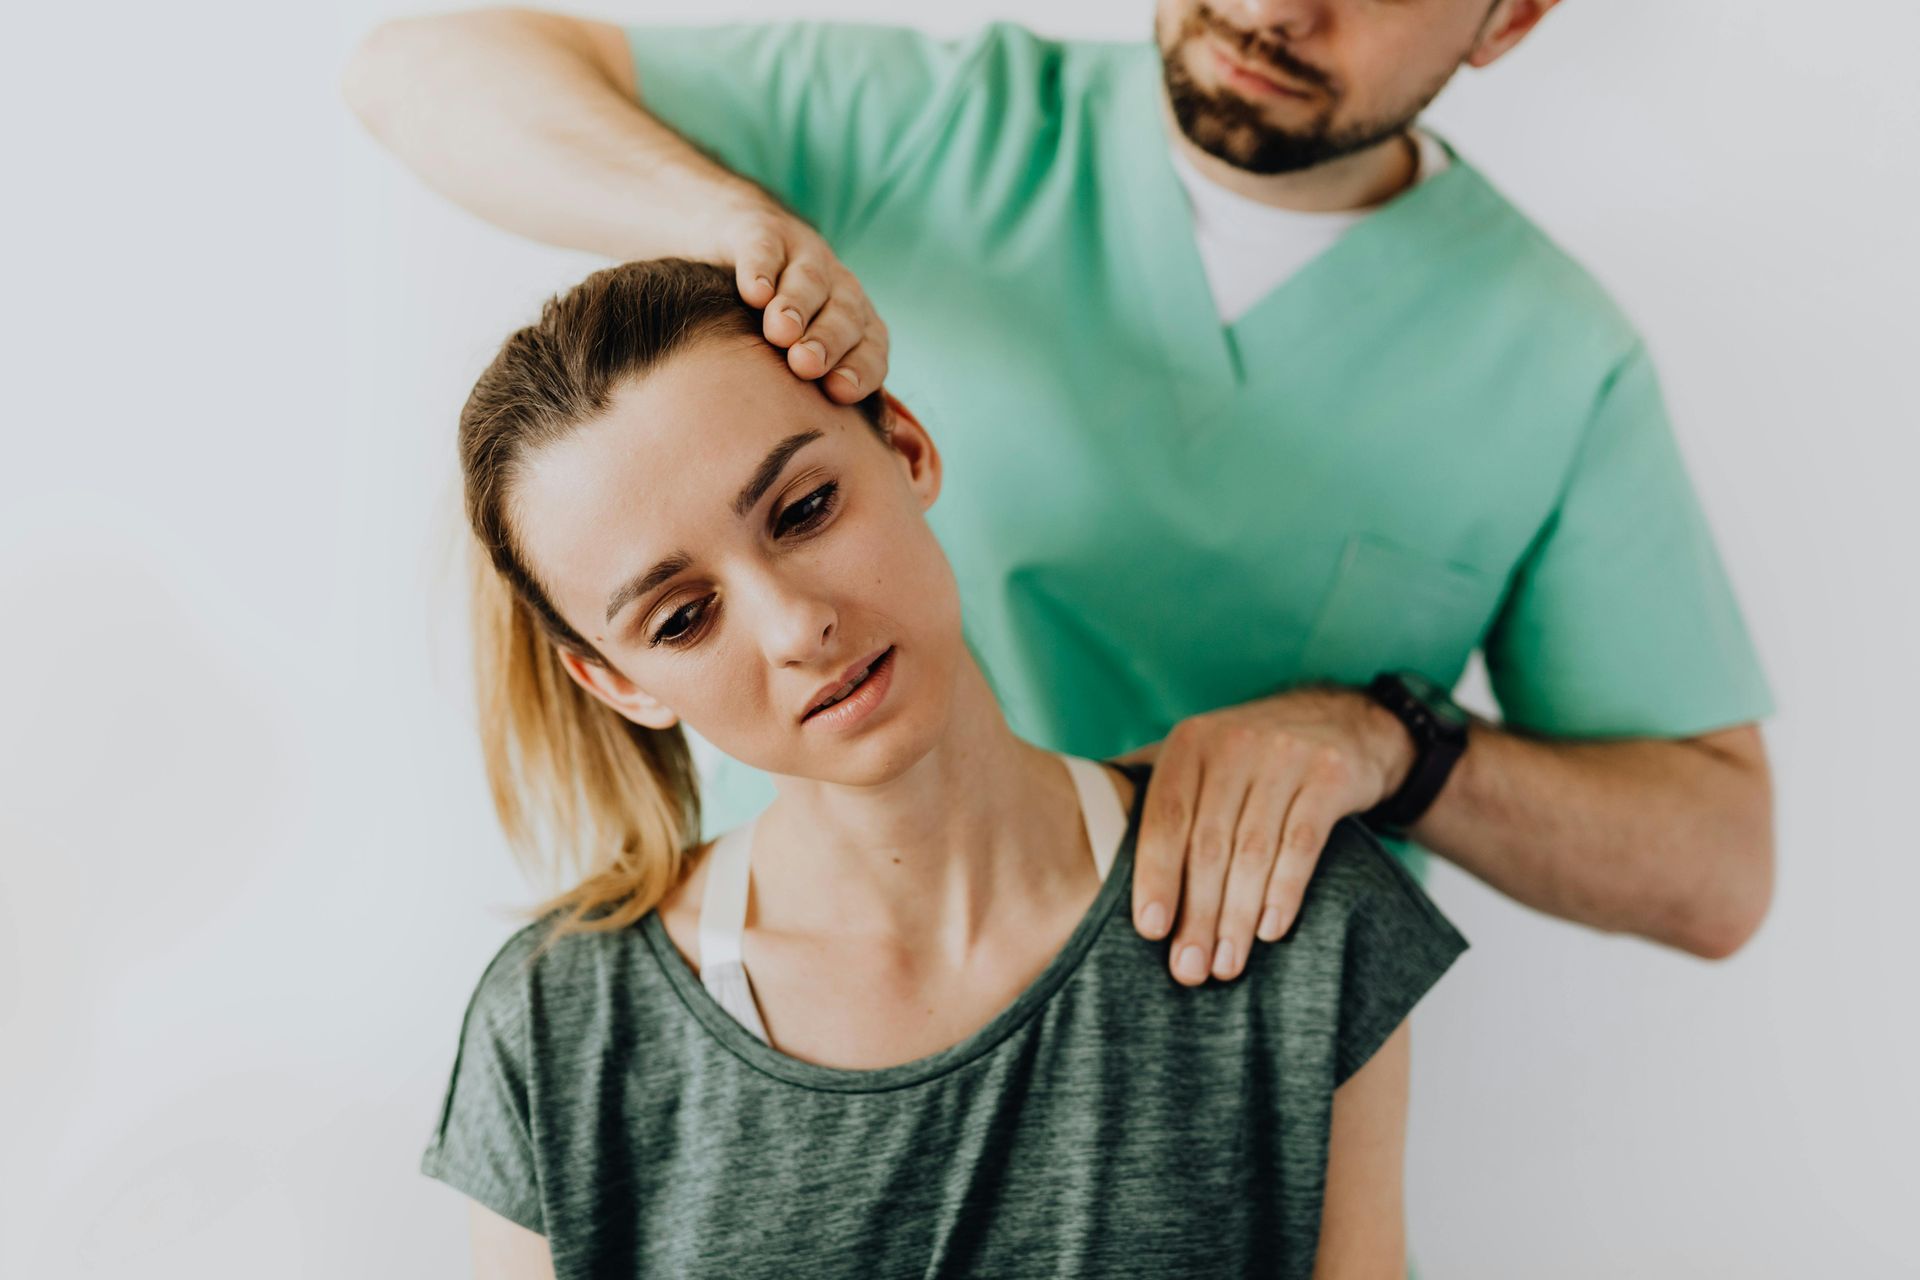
pixel 859 704
pixel 855 672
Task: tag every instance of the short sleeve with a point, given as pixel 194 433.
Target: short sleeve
pixel 1397 946
pixel 1620 619
pixel 817 113
pixel 483 1144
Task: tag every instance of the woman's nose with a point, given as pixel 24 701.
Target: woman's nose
pixel 797 625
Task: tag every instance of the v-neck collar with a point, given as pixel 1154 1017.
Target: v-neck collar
pixel 1212 362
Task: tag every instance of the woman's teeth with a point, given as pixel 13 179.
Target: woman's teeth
pixel 844 690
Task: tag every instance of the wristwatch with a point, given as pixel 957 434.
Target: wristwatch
pixel 1439 729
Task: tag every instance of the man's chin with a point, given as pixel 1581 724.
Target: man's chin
pixel 1264 151
pixel 1245 135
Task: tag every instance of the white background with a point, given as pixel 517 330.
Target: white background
pixel 248 872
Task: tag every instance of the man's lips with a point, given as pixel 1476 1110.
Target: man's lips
pixel 1254 77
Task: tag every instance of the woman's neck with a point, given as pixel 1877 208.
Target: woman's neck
pixel 922 860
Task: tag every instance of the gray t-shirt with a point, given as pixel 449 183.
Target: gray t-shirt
pixel 1108 1122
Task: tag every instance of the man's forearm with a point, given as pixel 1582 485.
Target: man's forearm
pixel 529 120
pixel 1670 840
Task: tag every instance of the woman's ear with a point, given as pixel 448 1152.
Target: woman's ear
pixel 909 439
pixel 618 692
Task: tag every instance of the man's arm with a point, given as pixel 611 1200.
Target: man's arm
pixel 1608 802
pixel 531 121
pixel 1668 839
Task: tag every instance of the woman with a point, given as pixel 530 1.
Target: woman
pixel 953 1056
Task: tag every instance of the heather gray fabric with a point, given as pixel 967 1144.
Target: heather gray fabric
pixel 1108 1122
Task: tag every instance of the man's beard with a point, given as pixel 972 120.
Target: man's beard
pixel 1234 129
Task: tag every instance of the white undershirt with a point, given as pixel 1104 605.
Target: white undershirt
pixel 1249 248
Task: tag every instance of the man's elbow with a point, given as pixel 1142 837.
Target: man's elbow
pixel 376 68
pixel 1745 899
pixel 393 59
pixel 1726 907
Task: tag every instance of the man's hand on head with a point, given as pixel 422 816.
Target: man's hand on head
pixel 814 308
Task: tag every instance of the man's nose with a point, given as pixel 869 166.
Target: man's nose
pixel 1284 19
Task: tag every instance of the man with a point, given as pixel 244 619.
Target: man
pixel 1250 392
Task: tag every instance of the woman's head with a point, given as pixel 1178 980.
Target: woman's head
pixel 678 529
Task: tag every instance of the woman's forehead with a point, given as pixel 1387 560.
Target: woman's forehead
pixel 662 470
pixel 691 422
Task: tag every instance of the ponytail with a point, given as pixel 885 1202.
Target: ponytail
pixel 584 795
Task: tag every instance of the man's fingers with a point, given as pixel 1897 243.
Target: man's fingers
pixel 860 371
pixel 812 306
pixel 1197 949
pixel 1161 846
pixel 802 289
pixel 831 335
pixel 757 266
pixel 1256 847
pixel 759 248
pixel 1312 815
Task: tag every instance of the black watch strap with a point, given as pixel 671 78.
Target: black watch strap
pixel 1439 730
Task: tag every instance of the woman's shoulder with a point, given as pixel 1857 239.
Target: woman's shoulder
pixel 1361 898
pixel 547 969
pixel 1355 876
pixel 1368 945
pixel 1356 868
pixel 529 1024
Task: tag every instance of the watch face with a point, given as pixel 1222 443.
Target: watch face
pixel 1439 702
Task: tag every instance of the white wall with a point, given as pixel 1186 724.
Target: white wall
pixel 249 872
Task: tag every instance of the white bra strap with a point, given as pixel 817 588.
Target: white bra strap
pixel 1100 809
pixel 723 921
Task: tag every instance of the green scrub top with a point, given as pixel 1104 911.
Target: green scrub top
pixel 1440 435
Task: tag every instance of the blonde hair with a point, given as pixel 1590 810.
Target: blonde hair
pixel 584 795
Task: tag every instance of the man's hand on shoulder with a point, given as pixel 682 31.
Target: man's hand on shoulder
pixel 1238 810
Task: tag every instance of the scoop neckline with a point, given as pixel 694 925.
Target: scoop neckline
pixel 763 1057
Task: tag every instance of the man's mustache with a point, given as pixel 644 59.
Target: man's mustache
pixel 1257 50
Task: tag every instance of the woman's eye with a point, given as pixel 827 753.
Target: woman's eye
pixel 683 623
pixel 808 511
pixel 680 624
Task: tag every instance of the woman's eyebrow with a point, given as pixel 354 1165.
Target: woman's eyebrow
pixel 770 468
pixel 763 477
pixel 640 584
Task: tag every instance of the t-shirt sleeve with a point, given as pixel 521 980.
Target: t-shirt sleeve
pixel 1621 619
pixel 483 1144
pixel 1397 945
pixel 818 113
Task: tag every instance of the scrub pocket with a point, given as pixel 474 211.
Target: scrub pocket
pixel 1394 609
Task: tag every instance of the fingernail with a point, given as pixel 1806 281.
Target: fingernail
pixel 1155 920
pixel 762 280
pixel 853 379
pixel 1223 959
pixel 819 351
pixel 791 314
pixel 1193 963
pixel 1269 924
